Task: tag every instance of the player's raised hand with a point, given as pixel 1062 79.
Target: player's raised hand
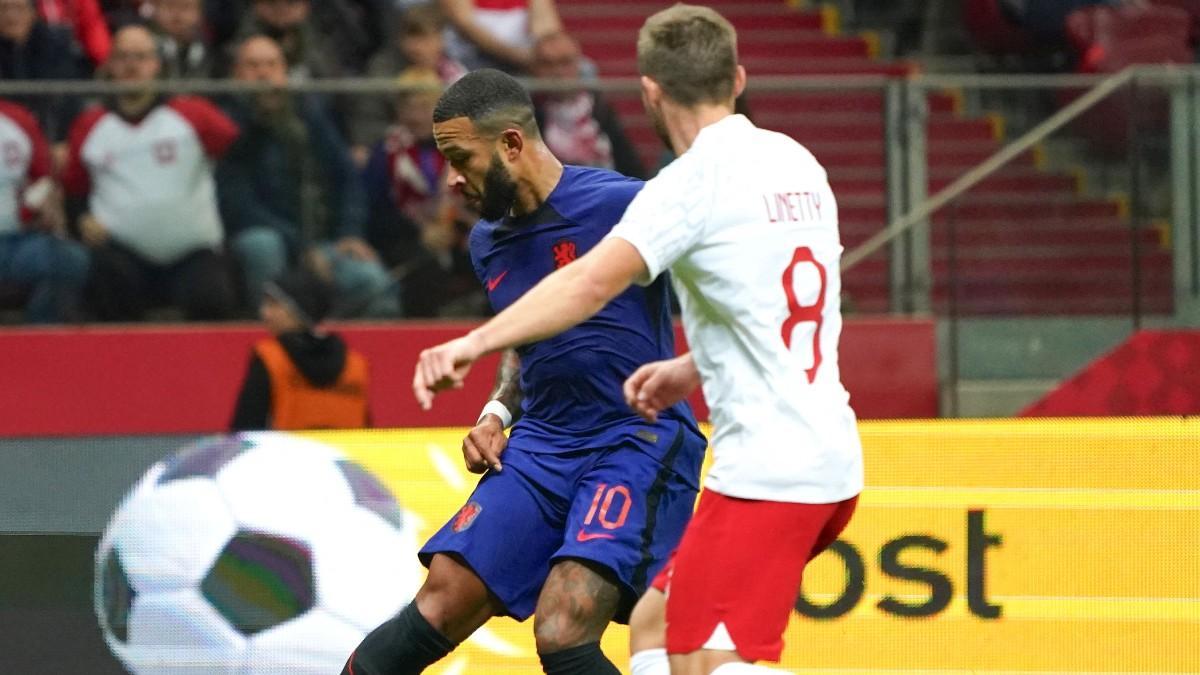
pixel 484 444
pixel 659 385
pixel 444 367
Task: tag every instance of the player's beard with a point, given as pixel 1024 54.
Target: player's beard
pixel 499 191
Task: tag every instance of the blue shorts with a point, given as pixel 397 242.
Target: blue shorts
pixel 623 507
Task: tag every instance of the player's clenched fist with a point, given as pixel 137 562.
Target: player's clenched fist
pixel 444 367
pixel 659 385
pixel 484 444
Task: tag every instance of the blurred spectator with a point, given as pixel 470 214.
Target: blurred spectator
pixel 497 33
pixel 222 18
pixel 32 50
pixel 121 13
pixel 34 257
pixel 359 27
pixel 84 19
pixel 1047 19
pixel 179 25
pixel 143 162
pixel 417 223
pixel 419 42
pixel 578 126
pixel 288 184
pixel 312 48
pixel 301 377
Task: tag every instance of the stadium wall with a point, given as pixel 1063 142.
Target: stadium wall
pixel 156 380
pixel 1035 546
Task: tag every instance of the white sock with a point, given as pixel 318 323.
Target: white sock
pixel 745 669
pixel 650 662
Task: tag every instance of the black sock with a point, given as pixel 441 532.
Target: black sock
pixel 582 660
pixel 403 645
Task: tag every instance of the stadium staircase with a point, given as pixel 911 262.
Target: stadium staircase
pixel 1030 241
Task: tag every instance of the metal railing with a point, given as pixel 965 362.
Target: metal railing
pixel 910 207
pixel 905 114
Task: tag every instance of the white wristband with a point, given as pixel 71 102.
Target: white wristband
pixel 498 409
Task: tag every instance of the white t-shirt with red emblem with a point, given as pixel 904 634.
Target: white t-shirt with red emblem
pixel 24 158
pixel 150 181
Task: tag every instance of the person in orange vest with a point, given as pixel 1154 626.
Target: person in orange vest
pixel 301 377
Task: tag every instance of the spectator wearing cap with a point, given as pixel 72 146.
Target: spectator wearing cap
pixel 289 190
pixel 301 377
pixel 140 172
pixel 578 125
pixel 418 43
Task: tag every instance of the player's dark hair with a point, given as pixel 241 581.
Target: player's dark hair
pixel 492 100
pixel 691 52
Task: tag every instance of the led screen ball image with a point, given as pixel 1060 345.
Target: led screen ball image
pixel 254 553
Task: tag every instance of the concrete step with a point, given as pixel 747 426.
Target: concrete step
pixel 992 398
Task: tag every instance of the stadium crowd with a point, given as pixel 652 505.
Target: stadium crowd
pixel 146 204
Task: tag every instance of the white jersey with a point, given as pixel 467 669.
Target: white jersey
pixel 747 224
pixel 150 181
pixel 24 157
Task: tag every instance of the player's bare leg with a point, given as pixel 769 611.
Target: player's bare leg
pixel 648 622
pixel 707 662
pixel 648 635
pixel 716 662
pixel 451 604
pixel 574 608
pixel 454 600
pixel 648 646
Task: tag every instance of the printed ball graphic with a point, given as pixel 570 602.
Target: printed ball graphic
pixel 254 553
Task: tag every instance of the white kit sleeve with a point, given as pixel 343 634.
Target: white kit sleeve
pixel 667 218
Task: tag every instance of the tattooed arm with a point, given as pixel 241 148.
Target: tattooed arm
pixel 508 383
pixel 484 444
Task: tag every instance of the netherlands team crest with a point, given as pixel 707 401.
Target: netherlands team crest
pixel 466 516
pixel 564 253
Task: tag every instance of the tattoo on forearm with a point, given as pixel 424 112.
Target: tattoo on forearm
pixel 508 383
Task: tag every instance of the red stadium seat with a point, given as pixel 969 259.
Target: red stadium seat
pixel 1192 7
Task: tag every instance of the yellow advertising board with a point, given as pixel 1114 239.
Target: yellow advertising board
pixel 1061 546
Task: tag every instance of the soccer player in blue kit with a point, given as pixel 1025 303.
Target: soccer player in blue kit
pixel 587 500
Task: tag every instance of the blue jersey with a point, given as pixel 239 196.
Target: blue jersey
pixel 572 383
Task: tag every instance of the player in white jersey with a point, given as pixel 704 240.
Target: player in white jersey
pixel 747 224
